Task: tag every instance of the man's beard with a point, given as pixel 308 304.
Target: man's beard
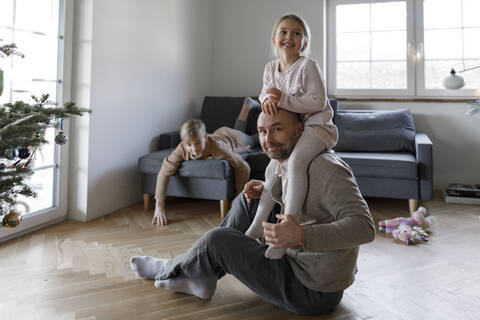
pixel 281 153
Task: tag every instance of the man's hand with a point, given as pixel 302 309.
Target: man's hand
pixel 160 216
pixel 253 190
pixel 270 106
pixel 286 234
pixel 277 93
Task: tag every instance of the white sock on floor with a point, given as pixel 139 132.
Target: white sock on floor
pixel 146 266
pixel 201 288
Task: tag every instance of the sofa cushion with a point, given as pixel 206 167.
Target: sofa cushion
pixel 376 131
pixel 401 165
pixel 220 112
pixel 212 168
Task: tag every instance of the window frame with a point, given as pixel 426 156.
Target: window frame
pixel 415 59
pixel 58 211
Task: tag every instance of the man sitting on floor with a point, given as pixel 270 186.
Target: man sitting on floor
pixel 320 262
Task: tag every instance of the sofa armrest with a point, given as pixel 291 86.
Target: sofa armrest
pixel 424 155
pixel 168 140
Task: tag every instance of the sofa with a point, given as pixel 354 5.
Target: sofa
pixel 388 157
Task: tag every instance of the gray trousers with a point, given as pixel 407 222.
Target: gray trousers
pixel 226 249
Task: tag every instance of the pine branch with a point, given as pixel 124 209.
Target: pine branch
pixel 10 49
pixel 17 122
pixel 23 126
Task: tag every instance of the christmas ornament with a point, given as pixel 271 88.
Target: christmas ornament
pixel 11 153
pixel 24 153
pixel 12 219
pixel 61 138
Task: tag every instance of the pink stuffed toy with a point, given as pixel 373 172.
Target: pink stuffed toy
pixel 409 230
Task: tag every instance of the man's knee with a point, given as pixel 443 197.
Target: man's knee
pixel 217 236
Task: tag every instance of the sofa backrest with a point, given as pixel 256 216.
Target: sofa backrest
pixel 220 112
pixel 223 111
pixel 375 130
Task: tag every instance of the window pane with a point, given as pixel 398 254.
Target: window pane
pixel 353 46
pixel 389 45
pixel 443 44
pixel 372 37
pixel 436 70
pixel 36 36
pixel 457 45
pixel 353 17
pixel 6 13
pixel 40 56
pixel 389 16
pixel 389 75
pixel 353 75
pixel 471 38
pixel 39 16
pixel 42 183
pixel 471 9
pixel 472 77
pixel 45 154
pixel 442 13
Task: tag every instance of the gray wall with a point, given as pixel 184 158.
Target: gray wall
pixel 243 39
pixel 144 68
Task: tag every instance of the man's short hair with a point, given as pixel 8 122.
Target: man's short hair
pixel 192 129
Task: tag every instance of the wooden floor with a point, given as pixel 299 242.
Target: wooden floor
pixel 79 270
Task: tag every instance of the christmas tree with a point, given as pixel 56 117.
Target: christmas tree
pixel 22 132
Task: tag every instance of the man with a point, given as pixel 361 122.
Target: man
pixel 321 257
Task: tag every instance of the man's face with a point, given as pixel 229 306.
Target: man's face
pixel 195 146
pixel 278 134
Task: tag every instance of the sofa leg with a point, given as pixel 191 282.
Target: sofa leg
pixel 223 208
pixel 146 201
pixel 413 205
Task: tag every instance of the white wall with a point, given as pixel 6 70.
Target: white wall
pixel 242 31
pixel 149 65
pixel 144 66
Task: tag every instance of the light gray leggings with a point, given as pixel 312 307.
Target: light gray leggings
pixel 307 147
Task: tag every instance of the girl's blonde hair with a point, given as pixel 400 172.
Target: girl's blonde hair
pixel 305 27
pixel 192 129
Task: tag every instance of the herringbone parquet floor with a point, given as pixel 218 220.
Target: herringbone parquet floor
pixel 76 270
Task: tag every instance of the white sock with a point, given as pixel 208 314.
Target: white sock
pixel 274 253
pixel 146 266
pixel 201 288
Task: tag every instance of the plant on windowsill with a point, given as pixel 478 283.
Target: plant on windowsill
pixel 22 132
pixel 475 109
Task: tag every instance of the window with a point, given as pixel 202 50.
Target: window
pixel 402 47
pixel 33 25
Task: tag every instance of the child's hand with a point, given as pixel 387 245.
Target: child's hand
pixel 277 93
pixel 253 190
pixel 270 106
pixel 160 216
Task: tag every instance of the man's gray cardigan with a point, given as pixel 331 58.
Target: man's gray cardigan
pixel 328 260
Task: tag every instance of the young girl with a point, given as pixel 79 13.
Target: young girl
pixel 294 82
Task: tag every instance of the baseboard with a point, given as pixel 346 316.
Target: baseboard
pixel 32 229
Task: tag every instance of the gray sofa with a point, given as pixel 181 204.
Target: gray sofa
pixel 389 159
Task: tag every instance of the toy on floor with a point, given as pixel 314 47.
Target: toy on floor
pixel 408 230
